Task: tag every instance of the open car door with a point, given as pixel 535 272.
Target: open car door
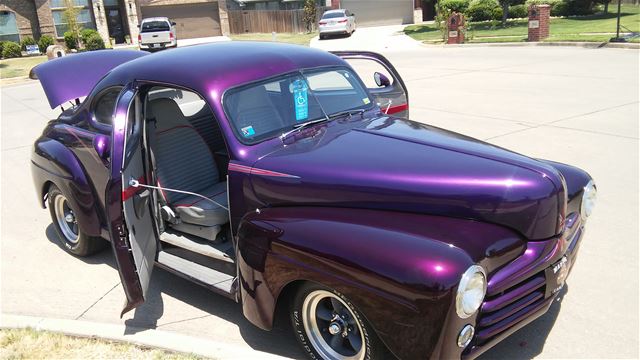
pixel 382 80
pixel 131 224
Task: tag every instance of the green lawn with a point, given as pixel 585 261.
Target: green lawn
pixel 298 39
pixel 10 68
pixel 584 28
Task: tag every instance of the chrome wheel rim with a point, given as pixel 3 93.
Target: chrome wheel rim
pixel 331 327
pixel 66 219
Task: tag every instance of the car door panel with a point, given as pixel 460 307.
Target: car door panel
pixel 131 225
pixel 392 99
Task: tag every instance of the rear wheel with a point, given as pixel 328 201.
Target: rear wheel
pixel 73 239
pixel 328 326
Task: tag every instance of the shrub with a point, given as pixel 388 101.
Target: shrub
pixel 11 50
pixel 27 40
pixel 454 5
pixel 518 11
pixel 1 47
pixel 44 42
pixel 496 14
pixel 480 10
pixel 94 42
pixel 85 34
pixel 70 40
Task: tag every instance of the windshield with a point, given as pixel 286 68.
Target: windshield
pixel 151 26
pixel 333 15
pixel 269 108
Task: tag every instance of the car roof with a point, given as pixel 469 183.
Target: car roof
pixel 157 18
pixel 335 11
pixel 216 67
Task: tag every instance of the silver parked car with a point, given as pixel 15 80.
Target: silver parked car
pixel 341 21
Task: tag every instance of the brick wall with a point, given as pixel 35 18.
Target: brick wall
pixel 26 16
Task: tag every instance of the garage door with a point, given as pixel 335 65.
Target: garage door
pixel 192 20
pixel 380 12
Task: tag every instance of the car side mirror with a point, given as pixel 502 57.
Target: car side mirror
pixel 173 23
pixel 381 80
pixel 102 145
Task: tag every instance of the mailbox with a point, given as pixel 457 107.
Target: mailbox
pixel 455 27
pixel 539 22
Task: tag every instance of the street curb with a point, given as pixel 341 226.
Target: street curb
pixel 583 44
pixel 138 336
pixel 18 80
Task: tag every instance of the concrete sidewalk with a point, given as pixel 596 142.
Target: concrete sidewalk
pixel 145 337
pixel 378 38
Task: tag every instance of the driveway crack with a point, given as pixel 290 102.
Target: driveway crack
pixel 97 301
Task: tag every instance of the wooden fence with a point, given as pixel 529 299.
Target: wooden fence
pixel 268 21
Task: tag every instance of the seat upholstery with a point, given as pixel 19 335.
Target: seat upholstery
pixel 184 162
pixel 259 112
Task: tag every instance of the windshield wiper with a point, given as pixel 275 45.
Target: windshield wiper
pixel 301 126
pixel 347 112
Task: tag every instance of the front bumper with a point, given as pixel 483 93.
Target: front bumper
pixel 524 289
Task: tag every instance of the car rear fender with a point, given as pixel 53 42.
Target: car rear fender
pixel 398 269
pixel 53 163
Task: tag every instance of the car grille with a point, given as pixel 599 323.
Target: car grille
pixel 505 309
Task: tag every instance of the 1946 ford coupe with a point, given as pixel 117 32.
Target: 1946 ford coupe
pixel 280 176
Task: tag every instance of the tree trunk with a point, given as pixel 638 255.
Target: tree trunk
pixel 606 7
pixel 505 13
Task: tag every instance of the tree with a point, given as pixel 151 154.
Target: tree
pixel 309 16
pixel 70 17
pixel 505 11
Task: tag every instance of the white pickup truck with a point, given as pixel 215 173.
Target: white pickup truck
pixel 157 33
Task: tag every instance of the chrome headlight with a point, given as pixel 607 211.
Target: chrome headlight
pixel 589 196
pixel 471 291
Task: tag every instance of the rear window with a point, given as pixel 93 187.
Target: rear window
pixel 151 26
pixel 333 15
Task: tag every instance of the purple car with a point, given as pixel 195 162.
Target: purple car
pixel 272 175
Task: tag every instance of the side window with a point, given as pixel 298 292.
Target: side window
pixel 366 70
pixel 104 106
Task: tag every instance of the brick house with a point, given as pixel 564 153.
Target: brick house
pixel 113 19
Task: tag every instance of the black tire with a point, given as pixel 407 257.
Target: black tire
pixel 82 244
pixel 371 348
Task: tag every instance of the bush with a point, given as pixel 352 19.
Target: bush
pixel 1 46
pixel 566 7
pixel 44 42
pixel 70 40
pixel 454 5
pixel 497 13
pixel 94 42
pixel 518 11
pixel 27 40
pixel 11 50
pixel 481 10
pixel 85 34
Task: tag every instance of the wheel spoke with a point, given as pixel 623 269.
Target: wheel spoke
pixel 336 341
pixel 324 313
pixel 355 340
pixel 337 306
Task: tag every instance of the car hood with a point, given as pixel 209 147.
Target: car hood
pixel 401 165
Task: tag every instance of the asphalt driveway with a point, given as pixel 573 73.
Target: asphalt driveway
pixel 572 105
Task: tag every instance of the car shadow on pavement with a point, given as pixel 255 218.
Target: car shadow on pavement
pixel 279 341
pixel 526 343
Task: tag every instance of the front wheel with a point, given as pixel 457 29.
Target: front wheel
pixel 73 239
pixel 329 327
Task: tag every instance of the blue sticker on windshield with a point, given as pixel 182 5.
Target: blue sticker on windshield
pixel 300 100
pixel 248 131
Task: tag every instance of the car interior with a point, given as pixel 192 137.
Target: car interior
pixel 188 158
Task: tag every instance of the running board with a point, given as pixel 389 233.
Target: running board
pixel 215 280
pixel 203 247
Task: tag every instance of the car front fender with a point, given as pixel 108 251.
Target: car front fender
pixel 400 270
pixel 53 163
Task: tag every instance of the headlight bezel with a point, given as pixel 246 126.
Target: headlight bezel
pixel 588 200
pixel 463 287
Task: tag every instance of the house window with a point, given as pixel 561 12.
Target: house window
pixel 84 15
pixel 8 27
